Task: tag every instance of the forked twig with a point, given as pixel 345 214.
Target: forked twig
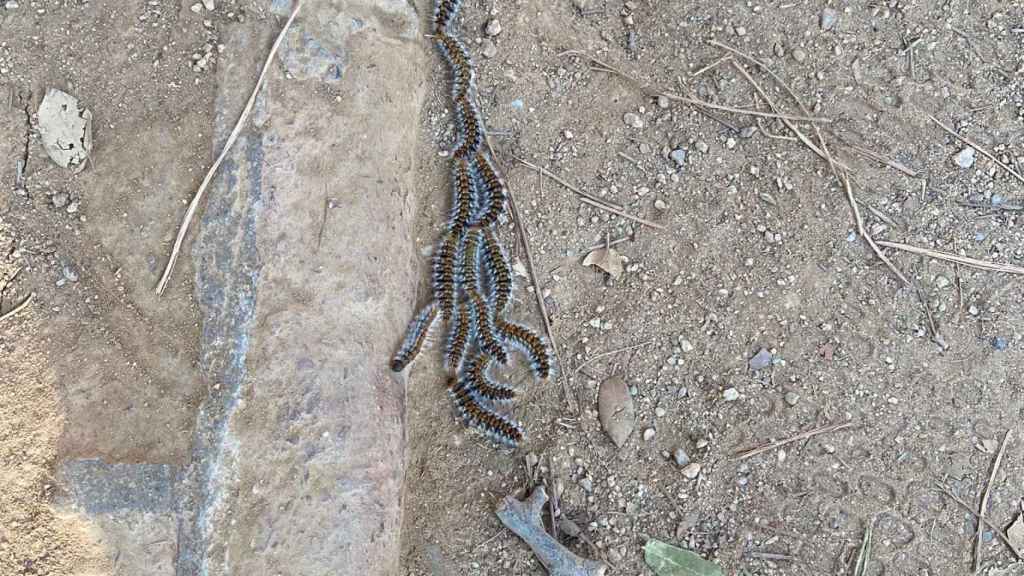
pixel 197 199
pixel 524 518
pixel 744 454
pixel 983 519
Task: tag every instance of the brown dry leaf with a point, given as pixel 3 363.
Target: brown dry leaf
pixel 615 409
pixel 1016 533
pixel 606 259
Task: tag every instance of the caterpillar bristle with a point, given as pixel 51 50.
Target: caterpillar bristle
pixel 463 196
pixel 531 344
pixel 463 77
pixel 476 415
pixel 415 336
pixel 471 127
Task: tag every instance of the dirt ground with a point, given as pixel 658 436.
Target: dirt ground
pixel 759 251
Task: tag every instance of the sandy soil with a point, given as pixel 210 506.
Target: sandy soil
pixel 759 251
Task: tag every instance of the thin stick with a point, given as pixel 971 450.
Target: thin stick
pixel 704 69
pixel 609 353
pixel 983 152
pixel 746 111
pixel 984 498
pixel 770 556
pixel 995 529
pixel 990 206
pixel 194 205
pixel 18 308
pixel 588 198
pixel 867 236
pixel 744 454
pixel 864 555
pixel 570 400
pixel 882 160
pixel 974 263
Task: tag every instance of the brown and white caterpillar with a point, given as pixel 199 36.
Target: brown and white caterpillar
pixel 532 345
pixel 495 426
pixel 415 336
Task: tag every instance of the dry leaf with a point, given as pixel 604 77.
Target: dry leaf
pixel 668 560
pixel 615 410
pixel 606 259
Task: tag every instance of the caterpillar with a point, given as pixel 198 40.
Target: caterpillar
pixel 444 14
pixel 463 77
pixel 463 196
pixel 458 338
pixel 484 387
pixel 485 331
pixel 445 274
pixel 532 345
pixel 492 191
pixel 499 271
pixel 493 425
pixel 471 127
pixel 470 261
pixel 415 336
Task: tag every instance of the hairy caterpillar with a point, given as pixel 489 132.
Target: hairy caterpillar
pixel 498 270
pixel 463 196
pixel 484 387
pixel 492 191
pixel 532 345
pixel 444 14
pixel 445 274
pixel 485 331
pixel 493 425
pixel 458 338
pixel 415 336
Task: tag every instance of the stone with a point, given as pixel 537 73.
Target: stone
pixel 65 129
pixel 680 457
pixel 685 346
pixel 196 8
pixel 659 412
pixel 761 360
pixel 731 395
pixel 965 158
pixel 941 282
pixel 691 470
pixel 791 398
pixel 493 27
pixel 60 199
pixel 799 54
pixel 663 101
pixel 828 19
pixel 488 48
pixel 648 434
pixel 678 156
pixel 209 5
pixel 633 120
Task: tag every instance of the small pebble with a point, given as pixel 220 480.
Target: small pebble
pixel 965 158
pixel 659 412
pixel 799 55
pixel 660 205
pixel 702 443
pixel 691 470
pixel 828 19
pixel 488 48
pixel 587 484
pixel 731 395
pixel 681 457
pixel 648 434
pixel 702 147
pixel 493 27
pixel 208 4
pixel 685 345
pixel 72 208
pixel 730 143
pixel 60 199
pixel 678 156
pixel 740 31
pixel 761 360
pixel 10 5
pixel 1000 343
pixel 633 120
pixel 69 274
pixel 941 282
pixel 791 398
pixel 663 101
pixel 196 8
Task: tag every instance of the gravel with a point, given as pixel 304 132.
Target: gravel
pixel 60 199
pixel 680 457
pixel 791 398
pixel 493 27
pixel 731 395
pixel 648 434
pixel 761 360
pixel 965 158
pixel 678 156
pixel 691 470
pixel 828 19
pixel 488 48
pixel 633 120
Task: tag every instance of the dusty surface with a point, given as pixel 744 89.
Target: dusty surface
pixel 231 426
pixel 760 251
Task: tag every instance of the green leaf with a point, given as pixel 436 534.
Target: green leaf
pixel 668 560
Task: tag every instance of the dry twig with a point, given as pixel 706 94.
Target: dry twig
pixel 972 262
pixel 609 353
pixel 588 198
pixel 200 193
pixel 18 308
pixel 983 519
pixel 866 235
pixel 746 111
pixel 981 150
pixel 984 499
pixel 744 454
